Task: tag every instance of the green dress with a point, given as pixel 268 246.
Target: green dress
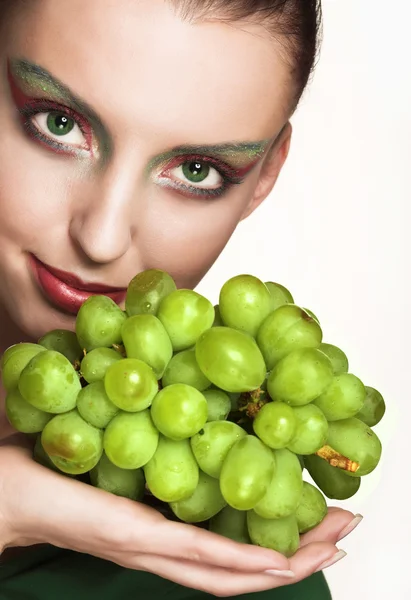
pixel 48 573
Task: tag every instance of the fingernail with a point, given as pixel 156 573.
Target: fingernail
pixel 331 561
pixel 350 527
pixel 288 574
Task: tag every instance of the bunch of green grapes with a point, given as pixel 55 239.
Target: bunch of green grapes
pixel 214 411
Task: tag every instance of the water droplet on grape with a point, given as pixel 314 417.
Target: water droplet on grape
pixel 147 306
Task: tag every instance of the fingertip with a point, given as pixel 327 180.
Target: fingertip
pixel 311 557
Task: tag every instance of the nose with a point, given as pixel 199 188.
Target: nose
pixel 105 213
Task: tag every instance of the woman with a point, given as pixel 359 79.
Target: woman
pixel 135 134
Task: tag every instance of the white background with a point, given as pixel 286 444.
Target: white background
pixel 334 231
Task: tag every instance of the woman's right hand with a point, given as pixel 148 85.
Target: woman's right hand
pixel 40 506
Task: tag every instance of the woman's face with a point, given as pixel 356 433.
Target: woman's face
pixel 130 139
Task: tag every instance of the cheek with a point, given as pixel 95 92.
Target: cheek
pixel 33 188
pixel 185 238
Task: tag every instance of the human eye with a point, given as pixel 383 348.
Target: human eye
pixel 58 127
pixel 198 176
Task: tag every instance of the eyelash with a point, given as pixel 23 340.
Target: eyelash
pixel 32 109
pixel 228 174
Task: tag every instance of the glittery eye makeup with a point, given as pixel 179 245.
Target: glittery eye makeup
pixel 57 127
pixel 53 116
pixel 60 121
pixel 206 171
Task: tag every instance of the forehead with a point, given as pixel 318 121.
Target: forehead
pixel 143 68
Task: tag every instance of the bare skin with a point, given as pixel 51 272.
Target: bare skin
pixel 156 83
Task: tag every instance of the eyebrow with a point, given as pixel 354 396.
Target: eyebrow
pixel 251 148
pixel 252 151
pixel 24 68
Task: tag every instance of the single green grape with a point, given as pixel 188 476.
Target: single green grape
pixel 63 341
pixel 339 360
pixel 14 360
pixel 41 458
pixel 301 461
pixel 230 359
pixel 73 445
pixel 312 508
pixel 212 444
pixel 235 398
pixel 172 474
pixel 219 405
pixel 146 290
pixel 279 295
pixel 300 377
pixel 183 368
pixel 50 383
pixel 275 424
pixel 99 323
pixel 23 416
pixel 131 384
pixel 354 440
pixel 311 432
pixel 94 365
pixel 218 321
pixel 179 411
pixel 373 409
pixel 343 398
pixel 131 439
pixel 145 338
pixel 286 329
pixel 186 315
pixel 281 535
pixel 95 406
pixel 333 482
pixel 284 492
pixel 128 483
pixel 203 504
pixel 244 303
pixel 246 473
pixel 232 524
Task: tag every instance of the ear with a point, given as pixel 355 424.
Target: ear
pixel 273 163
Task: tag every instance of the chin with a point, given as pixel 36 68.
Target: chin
pixel 36 317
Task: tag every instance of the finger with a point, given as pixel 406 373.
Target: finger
pixel 184 541
pixel 229 582
pixel 311 558
pixel 329 529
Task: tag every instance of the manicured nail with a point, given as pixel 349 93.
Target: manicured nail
pixel 350 527
pixel 288 574
pixel 331 561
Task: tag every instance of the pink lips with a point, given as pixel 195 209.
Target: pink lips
pixel 67 291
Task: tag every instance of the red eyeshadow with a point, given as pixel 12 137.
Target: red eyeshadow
pixel 26 105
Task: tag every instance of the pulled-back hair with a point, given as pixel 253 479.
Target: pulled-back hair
pixel 296 24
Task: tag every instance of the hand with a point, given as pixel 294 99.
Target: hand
pixel 40 506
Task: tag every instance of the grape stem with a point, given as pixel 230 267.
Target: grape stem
pixel 335 459
pixel 252 402
pixel 120 349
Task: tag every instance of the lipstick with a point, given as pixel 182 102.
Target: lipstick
pixel 68 292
